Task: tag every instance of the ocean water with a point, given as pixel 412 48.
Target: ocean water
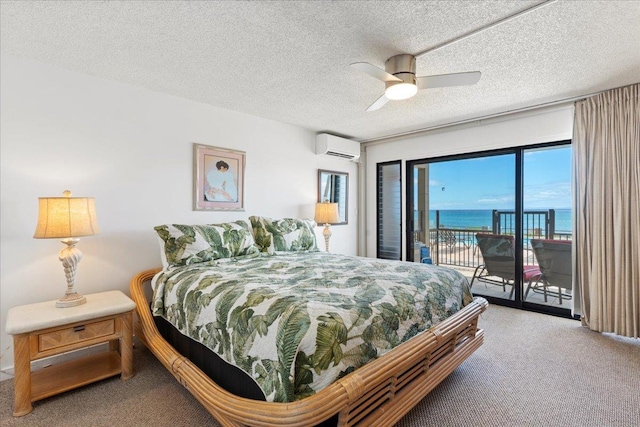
pixel 481 218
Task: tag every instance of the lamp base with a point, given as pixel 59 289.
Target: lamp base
pixel 70 256
pixel 327 235
pixel 70 300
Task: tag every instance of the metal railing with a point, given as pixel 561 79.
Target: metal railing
pixel 457 246
pixel 535 224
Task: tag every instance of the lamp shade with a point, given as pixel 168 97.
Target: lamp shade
pixel 327 213
pixel 64 217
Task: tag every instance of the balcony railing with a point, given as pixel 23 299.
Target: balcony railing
pixel 457 246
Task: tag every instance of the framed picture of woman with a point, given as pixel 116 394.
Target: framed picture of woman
pixel 218 178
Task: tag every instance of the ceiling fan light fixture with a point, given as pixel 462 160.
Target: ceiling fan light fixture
pixel 400 90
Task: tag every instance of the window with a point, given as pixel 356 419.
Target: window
pixel 389 223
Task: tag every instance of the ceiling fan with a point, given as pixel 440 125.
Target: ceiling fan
pixel 401 82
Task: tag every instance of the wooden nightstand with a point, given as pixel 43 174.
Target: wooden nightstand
pixel 42 330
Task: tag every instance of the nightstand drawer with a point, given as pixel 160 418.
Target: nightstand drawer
pixel 76 334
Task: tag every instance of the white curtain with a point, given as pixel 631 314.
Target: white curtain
pixel 606 191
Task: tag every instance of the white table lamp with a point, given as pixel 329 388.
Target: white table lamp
pixel 67 218
pixel 326 213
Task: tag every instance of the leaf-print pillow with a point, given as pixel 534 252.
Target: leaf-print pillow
pixel 190 244
pixel 284 235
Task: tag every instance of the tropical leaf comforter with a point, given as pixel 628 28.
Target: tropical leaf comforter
pixel 296 322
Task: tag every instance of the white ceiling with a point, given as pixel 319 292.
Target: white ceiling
pixel 289 60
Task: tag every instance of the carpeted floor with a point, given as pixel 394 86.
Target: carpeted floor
pixel 533 370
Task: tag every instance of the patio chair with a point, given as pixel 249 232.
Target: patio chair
pixel 498 254
pixel 449 238
pixel 554 259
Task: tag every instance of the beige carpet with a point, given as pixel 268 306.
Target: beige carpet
pixel 533 370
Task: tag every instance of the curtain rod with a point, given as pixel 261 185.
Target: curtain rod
pixel 475 119
pixel 491 116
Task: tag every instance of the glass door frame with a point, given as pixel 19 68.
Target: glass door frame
pixel 518 152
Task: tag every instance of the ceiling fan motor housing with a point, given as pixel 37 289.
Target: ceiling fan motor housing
pixel 403 67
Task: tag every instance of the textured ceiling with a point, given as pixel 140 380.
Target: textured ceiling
pixel 289 60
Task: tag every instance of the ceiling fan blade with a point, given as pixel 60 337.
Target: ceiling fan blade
pixel 446 80
pixel 374 71
pixel 379 103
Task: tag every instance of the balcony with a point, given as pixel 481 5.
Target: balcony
pixel 457 248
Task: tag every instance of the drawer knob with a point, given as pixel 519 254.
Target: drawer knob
pixel 78 328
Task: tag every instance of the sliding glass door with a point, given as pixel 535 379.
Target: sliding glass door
pixel 454 205
pixel 501 218
pixel 547 225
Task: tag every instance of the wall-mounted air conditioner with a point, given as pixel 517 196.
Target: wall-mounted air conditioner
pixel 331 145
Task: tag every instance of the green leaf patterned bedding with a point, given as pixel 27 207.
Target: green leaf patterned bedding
pixel 297 322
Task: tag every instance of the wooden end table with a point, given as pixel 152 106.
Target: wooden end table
pixel 42 330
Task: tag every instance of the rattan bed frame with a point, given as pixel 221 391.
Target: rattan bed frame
pixel 377 394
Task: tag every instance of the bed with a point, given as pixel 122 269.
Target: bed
pixel 313 338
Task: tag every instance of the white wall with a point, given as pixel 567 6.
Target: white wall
pixel 131 149
pixel 527 128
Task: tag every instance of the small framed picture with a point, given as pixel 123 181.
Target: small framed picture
pixel 218 178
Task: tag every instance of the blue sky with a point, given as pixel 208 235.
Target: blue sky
pixel 488 183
